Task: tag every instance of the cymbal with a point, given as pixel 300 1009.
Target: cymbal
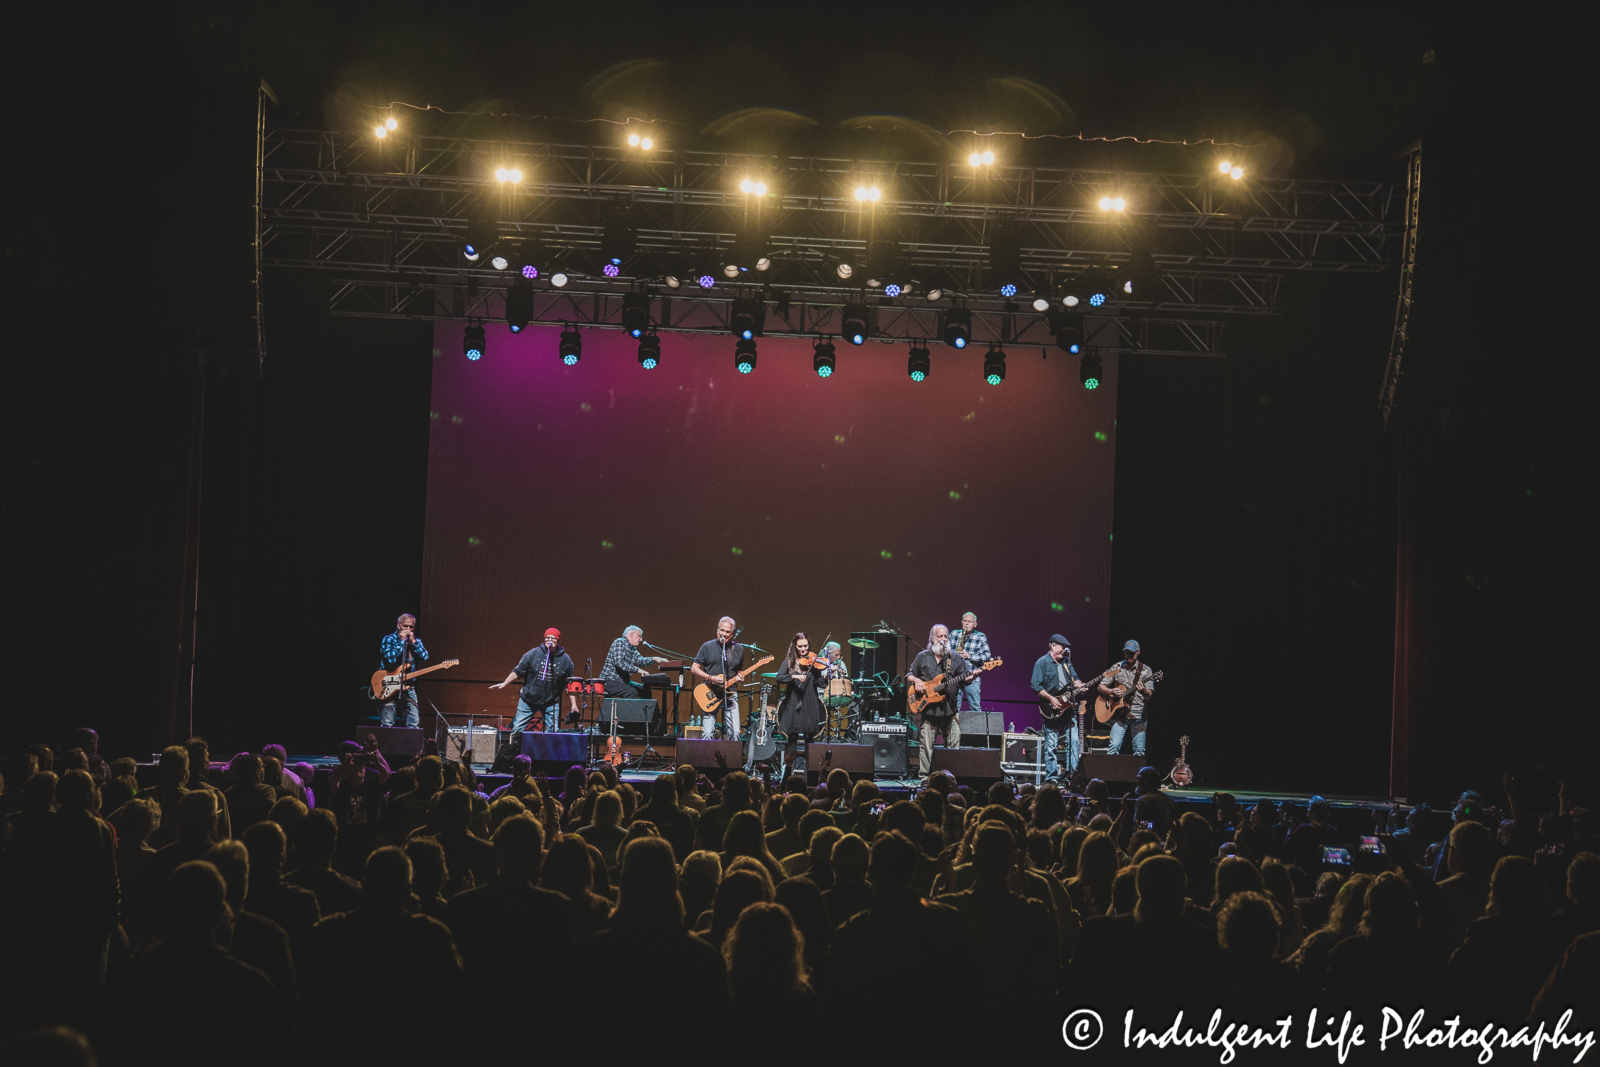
pixel 863 642
pixel 773 674
pixel 756 648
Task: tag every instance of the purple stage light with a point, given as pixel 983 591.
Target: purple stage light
pixel 611 270
pixel 530 272
pixel 706 281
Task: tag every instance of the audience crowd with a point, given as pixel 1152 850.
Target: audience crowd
pixel 251 912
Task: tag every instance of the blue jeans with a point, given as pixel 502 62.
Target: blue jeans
pixel 1119 729
pixel 1052 738
pixel 550 713
pixel 408 697
pixel 970 692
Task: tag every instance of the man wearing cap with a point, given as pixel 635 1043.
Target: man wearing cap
pixel 543 672
pixel 1133 677
pixel 1059 689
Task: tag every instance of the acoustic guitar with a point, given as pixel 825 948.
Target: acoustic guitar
pixel 386 684
pixel 1107 708
pixel 932 691
pixel 709 699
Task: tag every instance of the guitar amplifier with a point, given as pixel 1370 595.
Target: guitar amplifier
pixel 475 747
pixel 889 749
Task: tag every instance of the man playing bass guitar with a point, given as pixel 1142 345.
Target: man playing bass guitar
pixel 1060 704
pixel 932 662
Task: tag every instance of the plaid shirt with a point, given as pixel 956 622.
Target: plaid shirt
pixel 392 651
pixel 621 658
pixel 976 650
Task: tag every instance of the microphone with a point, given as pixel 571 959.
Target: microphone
pixel 737 630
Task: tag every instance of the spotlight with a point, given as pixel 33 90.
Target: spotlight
pixel 649 351
pixel 380 132
pixel 753 188
pixel 1225 167
pixel 1112 203
pixel 933 295
pixel 747 317
pixel 499 261
pixel 988 158
pixel 957 328
pixel 994 366
pixel 1068 331
pixel 390 124
pixel 705 281
pixel 731 270
pixel 646 143
pixel 635 313
pixel 822 359
pixel 1008 290
pixel 1236 173
pixel 868 192
pixel 855 323
pixel 527 263
pixel 1041 302
pixel 571 347
pixel 472 343
pixel 980 159
pixel 844 270
pixel 763 263
pixel 559 279
pixel 919 364
pixel 1089 371
pixel 611 270
pixel 508 174
pixel 633 140
pixel 744 355
pixel 892 289
pixel 519 304
pixel 673 281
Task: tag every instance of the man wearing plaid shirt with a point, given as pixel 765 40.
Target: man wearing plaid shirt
pixel 623 658
pixel 402 647
pixel 974 648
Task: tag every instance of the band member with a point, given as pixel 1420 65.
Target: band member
pixel 1059 689
pixel 801 710
pixel 396 650
pixel 1135 678
pixel 714 664
pixel 837 667
pixel 973 646
pixel 938 658
pixel 543 672
pixel 622 659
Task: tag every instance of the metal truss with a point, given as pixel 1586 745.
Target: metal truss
pixel 392 213
pixel 601 308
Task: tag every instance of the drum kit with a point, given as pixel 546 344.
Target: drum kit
pixel 846 702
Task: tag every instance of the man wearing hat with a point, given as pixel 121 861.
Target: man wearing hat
pixel 543 672
pixel 1059 692
pixel 1133 677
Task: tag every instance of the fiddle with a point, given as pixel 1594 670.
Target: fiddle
pixel 813 659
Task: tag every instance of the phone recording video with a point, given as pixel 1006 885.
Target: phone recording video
pixel 1371 844
pixel 1335 857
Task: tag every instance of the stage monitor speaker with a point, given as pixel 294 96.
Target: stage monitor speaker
pixel 553 753
pixel 870 662
pixel 857 759
pixel 967 763
pixel 980 723
pixel 397 740
pixel 1113 768
pixel 889 749
pixel 476 748
pixel 700 753
pixel 627 709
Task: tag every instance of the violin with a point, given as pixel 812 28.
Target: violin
pixel 815 659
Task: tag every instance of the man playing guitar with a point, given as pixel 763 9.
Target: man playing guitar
pixel 714 664
pixel 1133 680
pixel 398 649
pixel 935 660
pixel 1060 704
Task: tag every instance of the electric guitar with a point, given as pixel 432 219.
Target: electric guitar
pixel 1107 708
pixel 932 692
pixel 709 699
pixel 1072 702
pixel 386 684
pixel 1181 772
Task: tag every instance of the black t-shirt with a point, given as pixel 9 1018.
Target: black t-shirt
pixel 926 667
pixel 541 688
pixel 711 660
pixel 359 806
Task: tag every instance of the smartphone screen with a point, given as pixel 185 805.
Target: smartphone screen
pixel 1372 845
pixel 1339 857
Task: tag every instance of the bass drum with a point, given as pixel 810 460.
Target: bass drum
pixel 840 691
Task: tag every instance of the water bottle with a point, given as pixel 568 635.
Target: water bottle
pixel 1011 727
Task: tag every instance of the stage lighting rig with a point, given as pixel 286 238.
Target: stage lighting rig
pixel 635 313
pixel 980 159
pixel 1089 370
pixel 473 344
pixel 855 323
pixel 636 140
pixel 823 359
pixel 956 327
pixel 571 349
pixel 747 317
pixel 1112 203
pixel 649 351
pixel 527 261
pixel 994 365
pixel 744 355
pixel 919 363
pixel 1068 330
pixel 519 305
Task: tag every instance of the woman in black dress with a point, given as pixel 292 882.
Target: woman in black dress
pixel 801 710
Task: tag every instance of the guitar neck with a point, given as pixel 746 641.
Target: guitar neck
pixel 429 670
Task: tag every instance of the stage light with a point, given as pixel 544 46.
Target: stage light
pixel 473 343
pixel 673 281
pixel 633 139
pixel 994 366
pixel 1068 331
pixel 705 281
pixel 508 174
pixel 1008 290
pixel 868 192
pixel 1118 204
pixel 1089 371
pixel 527 263
pixel 933 294
pixel 1041 302
pixel 1225 167
pixel 822 359
pixel 747 316
pixel 753 188
pixel 957 327
pixel 744 355
pixel 559 279
pixel 763 262
pixel 611 270
pixel 855 323
pixel 646 143
pixel 390 124
pixel 1070 300
pixel 919 363
pixel 499 262
pixel 1005 259
pixel 891 290
pixel 1236 173
pixel 483 229
pixel 731 270
pixel 844 270
pixel 571 349
pixel 519 305
pixel 1112 203
pixel 649 351
pixel 975 160
pixel 635 313
pixel 988 158
pixel 380 132
pixel 618 239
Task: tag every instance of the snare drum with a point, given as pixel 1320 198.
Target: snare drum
pixel 839 692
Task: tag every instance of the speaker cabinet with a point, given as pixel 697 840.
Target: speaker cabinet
pixel 553 753
pixel 857 759
pixel 626 709
pixel 1113 768
pixel 968 762
pixel 476 747
pixel 701 753
pixel 397 740
pixel 889 748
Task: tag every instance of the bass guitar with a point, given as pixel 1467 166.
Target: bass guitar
pixel 1107 708
pixel 386 684
pixel 932 691
pixel 708 699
